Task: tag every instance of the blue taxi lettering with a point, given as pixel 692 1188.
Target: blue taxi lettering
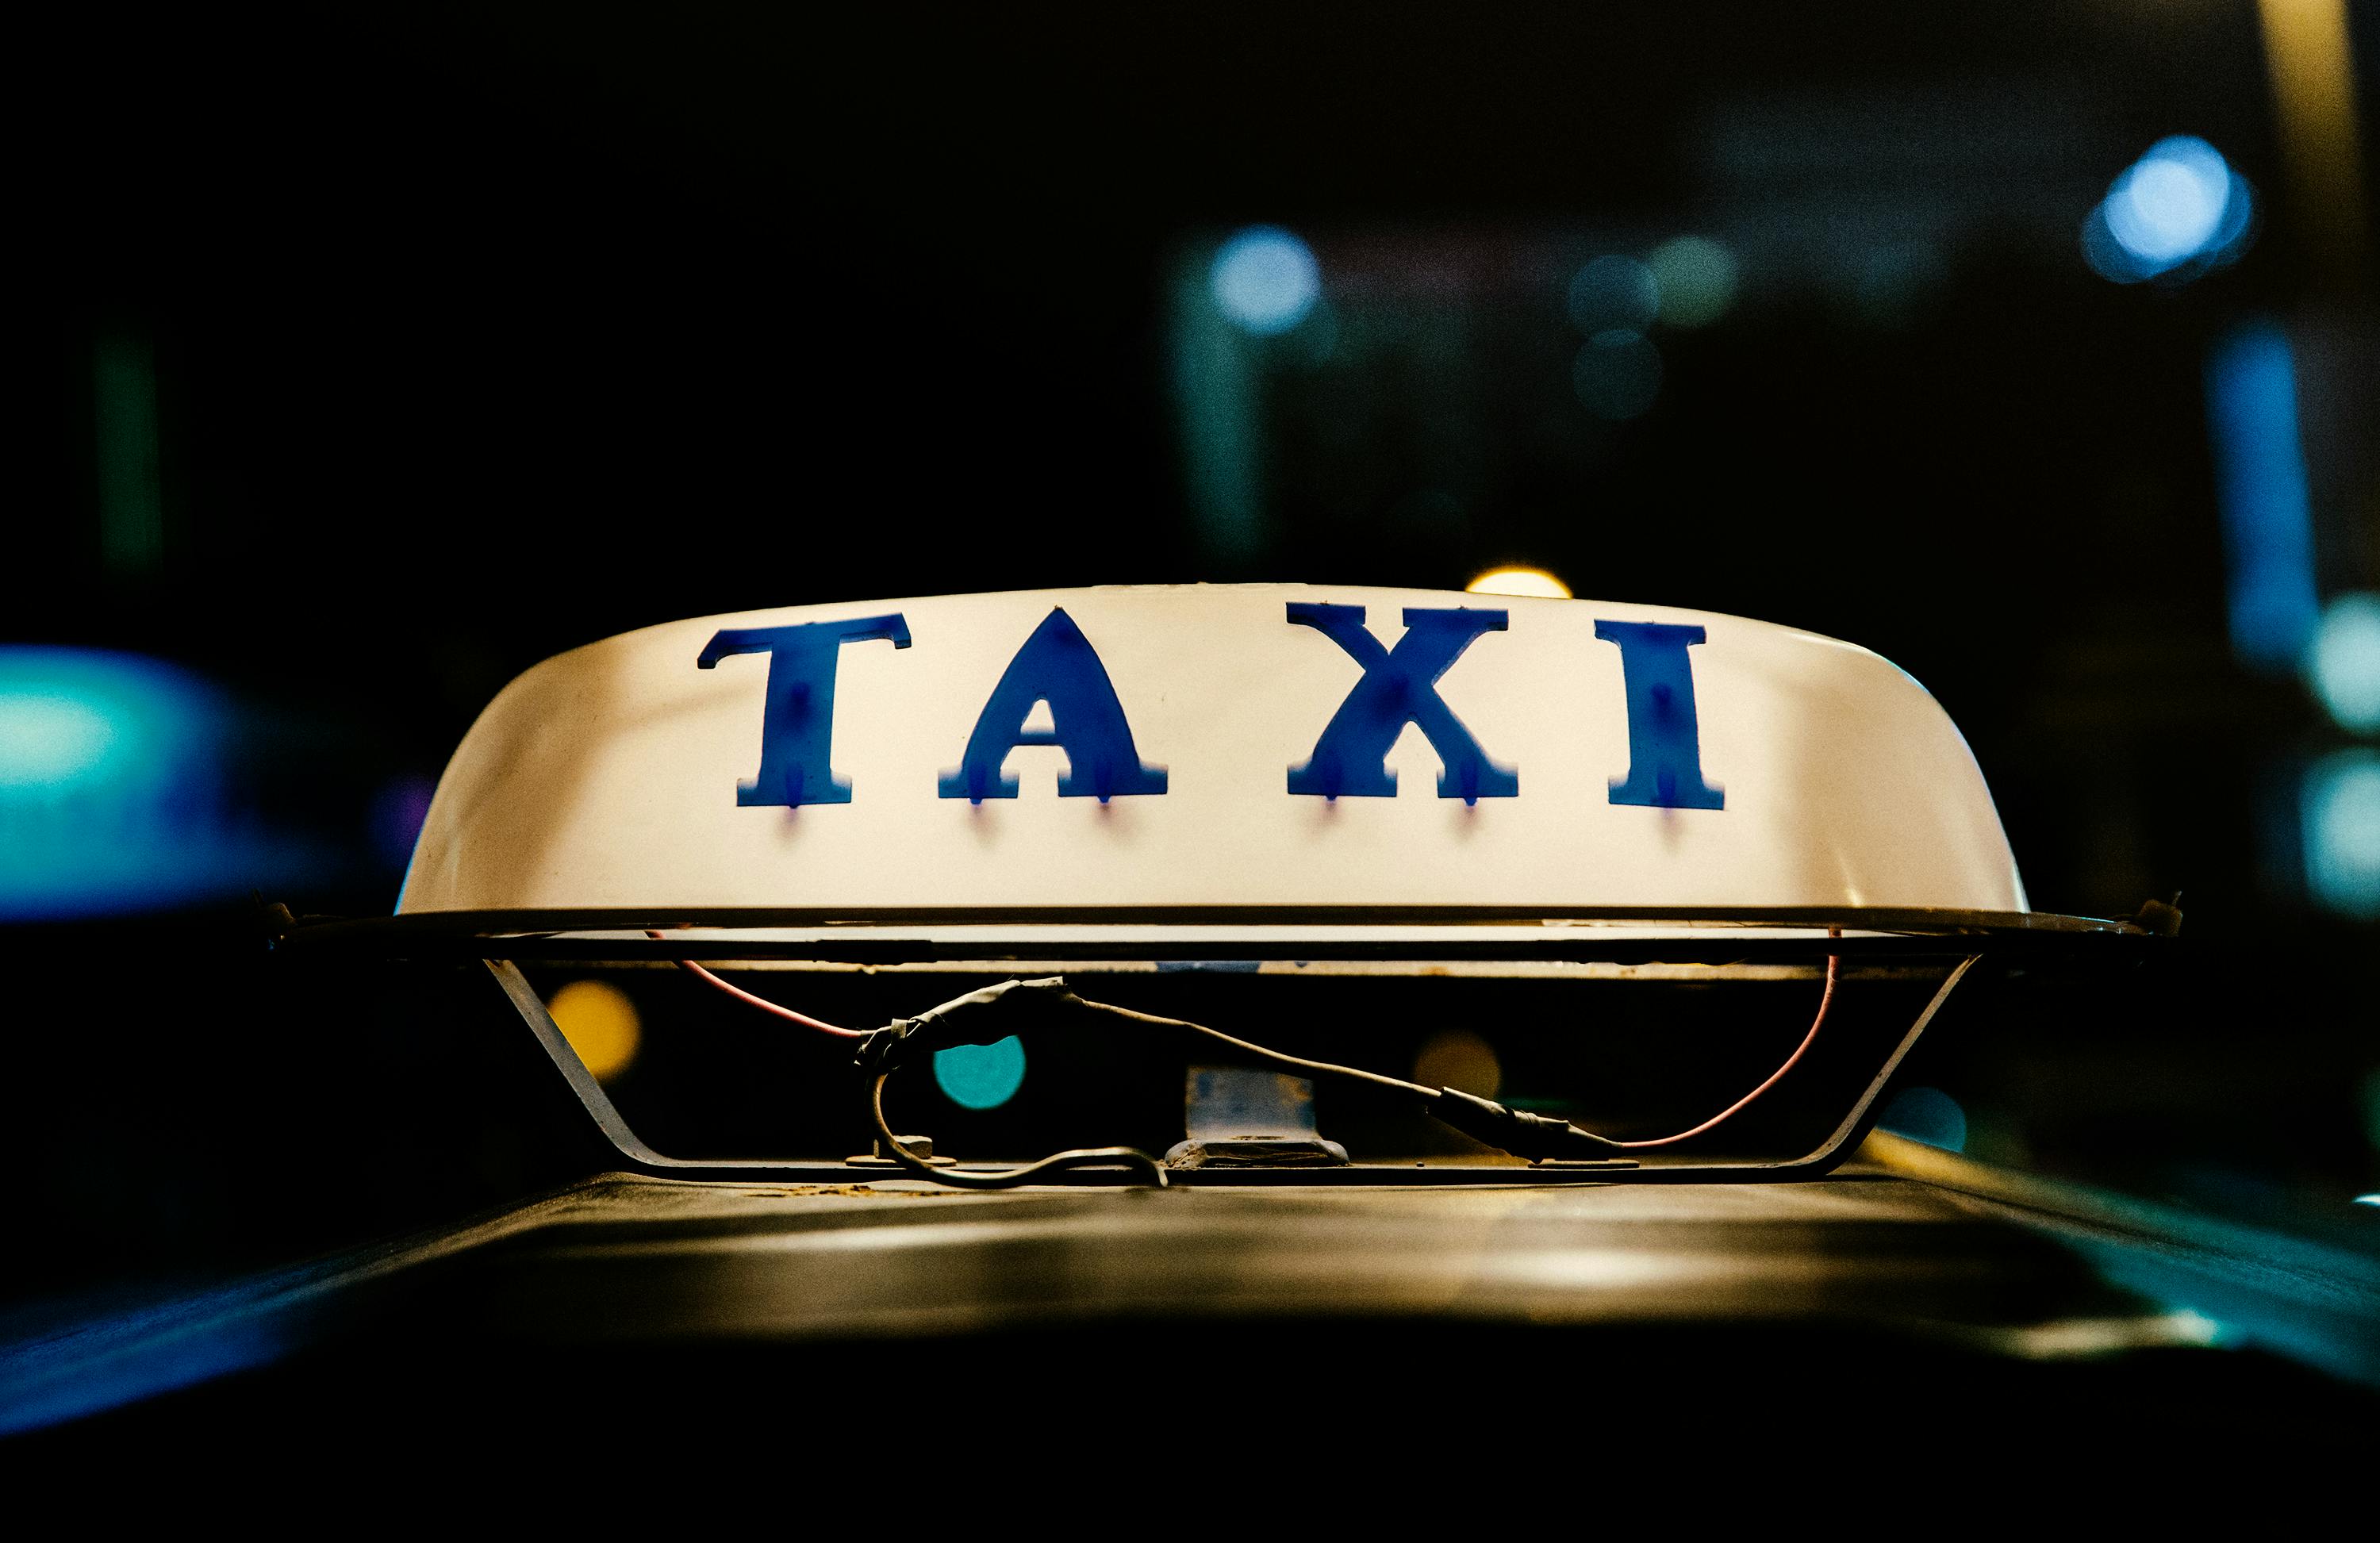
pixel 1399 686
pixel 1664 757
pixel 797 721
pixel 1059 666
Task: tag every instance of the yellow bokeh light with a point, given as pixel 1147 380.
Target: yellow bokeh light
pixel 601 1024
pixel 1533 582
pixel 1457 1057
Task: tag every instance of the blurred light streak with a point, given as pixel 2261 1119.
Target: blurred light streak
pixel 2252 406
pixel 2340 810
pixel 2367 1200
pixel 1264 280
pixel 1534 582
pixel 1927 1115
pixel 35 1394
pixel 2088 1337
pixel 601 1025
pixel 2309 57
pixel 982 1076
pixel 1695 278
pixel 124 411
pixel 1220 431
pixel 2344 664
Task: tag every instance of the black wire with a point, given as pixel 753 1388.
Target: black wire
pixel 1005 1178
pixel 1272 1057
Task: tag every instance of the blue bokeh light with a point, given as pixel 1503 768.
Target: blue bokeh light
pixel 2170 203
pixel 982 1076
pixel 2344 664
pixel 2340 810
pixel 2178 210
pixel 1927 1115
pixel 1264 280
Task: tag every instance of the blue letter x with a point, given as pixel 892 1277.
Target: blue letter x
pixel 1400 687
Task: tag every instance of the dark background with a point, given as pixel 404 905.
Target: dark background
pixel 468 334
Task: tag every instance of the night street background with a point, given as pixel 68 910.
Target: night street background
pixel 365 357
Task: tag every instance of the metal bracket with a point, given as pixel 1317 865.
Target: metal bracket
pixel 637 1157
pixel 636 1154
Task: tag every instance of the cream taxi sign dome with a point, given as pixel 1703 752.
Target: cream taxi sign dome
pixel 1252 749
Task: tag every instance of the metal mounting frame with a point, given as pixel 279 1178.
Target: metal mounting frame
pixel 637 1157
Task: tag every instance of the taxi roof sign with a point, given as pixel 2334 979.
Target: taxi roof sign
pixel 1270 748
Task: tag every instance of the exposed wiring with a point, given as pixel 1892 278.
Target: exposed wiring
pixel 1534 1136
pixel 763 1003
pixel 1826 999
pixel 1005 1178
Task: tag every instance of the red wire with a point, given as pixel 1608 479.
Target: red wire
pixel 1826 999
pixel 763 1003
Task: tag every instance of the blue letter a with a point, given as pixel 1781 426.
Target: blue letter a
pixel 798 724
pixel 1056 665
pixel 1665 752
pixel 1400 687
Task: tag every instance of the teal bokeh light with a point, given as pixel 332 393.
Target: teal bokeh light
pixel 113 787
pixel 2341 813
pixel 982 1076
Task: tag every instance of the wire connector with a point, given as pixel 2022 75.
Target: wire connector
pixel 983 1017
pixel 1534 1136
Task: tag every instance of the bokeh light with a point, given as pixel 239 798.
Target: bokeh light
pixel 1614 292
pixel 1927 1115
pixel 2344 664
pixel 601 1025
pixel 982 1076
pixel 48 737
pixel 2180 208
pixel 1458 1058
pixel 2260 484
pixel 78 717
pixel 2170 203
pixel 1264 280
pixel 1618 374
pixel 1533 582
pixel 1696 280
pixel 2340 811
pixel 113 789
